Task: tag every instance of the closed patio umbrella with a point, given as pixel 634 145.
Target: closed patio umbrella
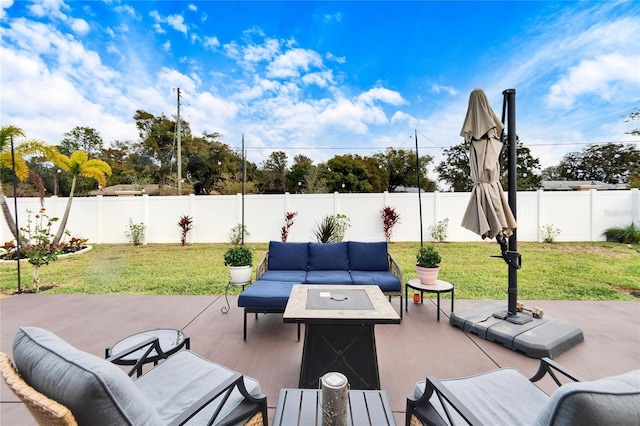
pixel 488 213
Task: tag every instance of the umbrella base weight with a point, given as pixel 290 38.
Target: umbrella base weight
pixel 535 338
pixel 514 319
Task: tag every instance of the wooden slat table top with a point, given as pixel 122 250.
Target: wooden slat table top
pixel 302 407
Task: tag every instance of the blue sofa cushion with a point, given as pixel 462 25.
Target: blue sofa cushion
pixel 368 256
pixel 328 277
pixel 385 280
pixel 283 275
pixel 328 256
pixel 288 256
pixel 96 391
pixel 266 295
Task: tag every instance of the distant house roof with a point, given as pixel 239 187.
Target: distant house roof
pixel 579 185
pixel 126 190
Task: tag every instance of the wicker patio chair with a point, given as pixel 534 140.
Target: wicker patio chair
pixel 46 411
pixel 61 385
pixel 505 396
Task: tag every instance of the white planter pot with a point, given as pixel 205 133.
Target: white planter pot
pixel 240 274
pixel 427 276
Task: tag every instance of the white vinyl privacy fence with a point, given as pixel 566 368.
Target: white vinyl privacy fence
pixel 579 215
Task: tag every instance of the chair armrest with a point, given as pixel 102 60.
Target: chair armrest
pixel 226 387
pixel 427 412
pixel 150 344
pixel 263 265
pixel 550 367
pixel 395 268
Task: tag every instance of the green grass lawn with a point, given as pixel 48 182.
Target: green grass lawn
pixel 559 271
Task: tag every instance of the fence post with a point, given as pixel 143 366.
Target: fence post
pixel 539 201
pixel 99 219
pixel 145 217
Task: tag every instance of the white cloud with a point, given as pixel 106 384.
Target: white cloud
pixel 437 88
pixel 605 76
pixel 4 4
pixel 49 8
pixel 211 42
pixel 177 23
pixel 381 94
pixel 192 7
pixel 80 26
pixel 289 64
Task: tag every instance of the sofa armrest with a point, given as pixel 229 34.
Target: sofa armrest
pixel 547 366
pixel 395 268
pixel 263 265
pixel 447 399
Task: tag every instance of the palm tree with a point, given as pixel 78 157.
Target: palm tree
pixel 79 164
pixel 28 147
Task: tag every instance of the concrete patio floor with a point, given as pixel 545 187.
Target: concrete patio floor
pixel 407 352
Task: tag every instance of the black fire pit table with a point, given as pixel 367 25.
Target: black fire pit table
pixel 339 331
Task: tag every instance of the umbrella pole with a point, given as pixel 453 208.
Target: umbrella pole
pixel 510 97
pixel 510 248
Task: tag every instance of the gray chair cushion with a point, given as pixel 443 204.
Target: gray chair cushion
pixel 183 379
pixel 96 391
pixel 612 400
pixel 502 396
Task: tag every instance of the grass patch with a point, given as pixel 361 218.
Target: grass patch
pixel 559 271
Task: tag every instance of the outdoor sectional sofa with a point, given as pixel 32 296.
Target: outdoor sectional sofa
pixel 349 262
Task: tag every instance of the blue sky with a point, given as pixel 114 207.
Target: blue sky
pixel 323 78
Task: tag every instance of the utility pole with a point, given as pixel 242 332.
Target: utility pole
pixel 179 131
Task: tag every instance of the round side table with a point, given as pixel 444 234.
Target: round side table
pixel 438 288
pixel 171 341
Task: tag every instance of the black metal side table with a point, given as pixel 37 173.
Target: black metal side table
pixel 231 284
pixel 169 339
pixel 439 287
pixel 304 407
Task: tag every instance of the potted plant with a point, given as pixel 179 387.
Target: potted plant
pixel 239 260
pixel 428 265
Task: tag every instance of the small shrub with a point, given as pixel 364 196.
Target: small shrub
pixel 288 223
pixel 626 235
pixel 548 233
pixel 186 224
pixel 389 218
pixel 238 256
pixel 342 223
pixel 236 234
pixel 440 231
pixel 428 257
pixel 331 228
pixel 135 232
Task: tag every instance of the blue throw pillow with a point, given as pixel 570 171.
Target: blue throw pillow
pixel 368 256
pixel 288 256
pixel 328 256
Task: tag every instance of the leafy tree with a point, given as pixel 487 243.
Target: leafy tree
pixel 274 173
pixel 610 163
pixel 400 165
pixel 348 173
pixel 454 169
pixel 82 139
pixel 315 179
pixel 632 116
pixel 79 165
pixel 21 149
pixel 551 173
pixel 207 160
pixel 527 170
pixel 297 176
pixel 157 136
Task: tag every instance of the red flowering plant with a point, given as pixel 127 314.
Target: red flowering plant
pixel 288 223
pixel 186 224
pixel 389 218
